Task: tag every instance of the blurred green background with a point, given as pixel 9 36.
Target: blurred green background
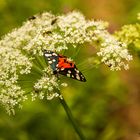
pixel 106 107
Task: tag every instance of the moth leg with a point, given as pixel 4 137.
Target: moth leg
pixel 56 73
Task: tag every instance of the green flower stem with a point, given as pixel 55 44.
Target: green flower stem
pixel 72 120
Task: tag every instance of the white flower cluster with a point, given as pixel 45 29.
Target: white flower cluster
pixel 21 53
pixel 45 86
pixel 113 53
pixel 12 63
pixel 58 33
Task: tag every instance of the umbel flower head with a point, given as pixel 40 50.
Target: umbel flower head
pixel 23 69
pixel 130 35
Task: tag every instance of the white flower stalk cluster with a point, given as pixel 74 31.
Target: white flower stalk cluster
pixel 45 86
pixel 60 32
pixel 22 69
pixel 113 53
pixel 12 63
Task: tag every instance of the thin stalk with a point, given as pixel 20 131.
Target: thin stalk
pixel 71 118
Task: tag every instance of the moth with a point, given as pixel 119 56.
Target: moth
pixel 60 64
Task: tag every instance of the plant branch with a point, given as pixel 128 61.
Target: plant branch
pixel 71 118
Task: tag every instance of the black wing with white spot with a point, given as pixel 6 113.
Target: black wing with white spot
pixel 52 59
pixel 61 65
pixel 73 73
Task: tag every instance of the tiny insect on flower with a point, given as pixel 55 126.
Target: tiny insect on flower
pixel 61 65
pixel 32 18
pixel 53 21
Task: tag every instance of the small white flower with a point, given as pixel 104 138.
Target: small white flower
pixel 64 84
